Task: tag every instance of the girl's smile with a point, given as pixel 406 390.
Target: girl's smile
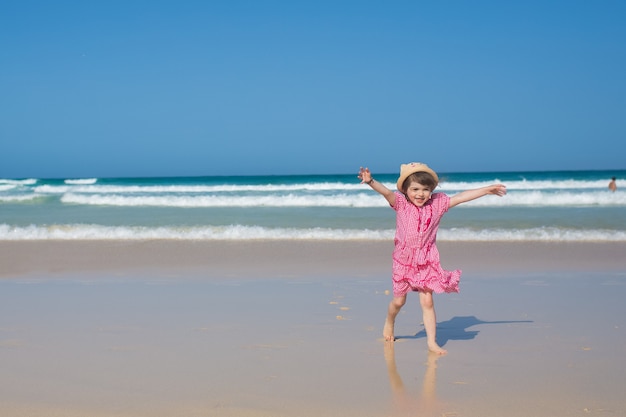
pixel 418 194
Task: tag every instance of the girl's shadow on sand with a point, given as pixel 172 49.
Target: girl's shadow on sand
pixel 456 329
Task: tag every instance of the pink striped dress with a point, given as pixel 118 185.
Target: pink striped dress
pixel 416 265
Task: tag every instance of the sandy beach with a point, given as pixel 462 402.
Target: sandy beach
pixel 284 328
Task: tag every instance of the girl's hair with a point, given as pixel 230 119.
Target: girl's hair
pixel 420 177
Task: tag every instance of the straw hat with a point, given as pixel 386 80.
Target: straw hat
pixel 408 169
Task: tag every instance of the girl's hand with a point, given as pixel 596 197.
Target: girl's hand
pixel 366 178
pixel 365 175
pixel 497 189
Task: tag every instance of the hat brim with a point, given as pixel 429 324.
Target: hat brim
pixel 407 169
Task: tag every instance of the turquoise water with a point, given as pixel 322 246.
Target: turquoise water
pixel 539 206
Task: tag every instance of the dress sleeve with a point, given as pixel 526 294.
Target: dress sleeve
pixel 400 201
pixel 440 202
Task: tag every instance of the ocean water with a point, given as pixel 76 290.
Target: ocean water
pixel 539 206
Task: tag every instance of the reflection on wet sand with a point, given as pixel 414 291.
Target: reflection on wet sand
pixel 424 403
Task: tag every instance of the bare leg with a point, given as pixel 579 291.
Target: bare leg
pixel 430 322
pixel 392 311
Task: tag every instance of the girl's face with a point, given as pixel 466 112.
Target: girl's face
pixel 418 194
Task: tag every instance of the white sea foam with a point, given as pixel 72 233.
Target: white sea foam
pixel 20 198
pixel 234 232
pixel 359 200
pixel 536 234
pixel 191 189
pixel 553 199
pixel 238 232
pixel 81 181
pixel 91 186
pixel 28 181
pixel 522 193
pixel 7 187
pixel 529 185
pixel 288 200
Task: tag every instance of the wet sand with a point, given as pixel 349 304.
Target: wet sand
pixel 294 329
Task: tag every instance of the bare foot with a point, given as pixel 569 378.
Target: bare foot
pixel 435 348
pixel 388 331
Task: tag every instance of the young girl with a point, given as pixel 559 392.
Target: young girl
pixel 416 265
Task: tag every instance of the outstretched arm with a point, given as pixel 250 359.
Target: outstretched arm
pixel 366 178
pixel 469 195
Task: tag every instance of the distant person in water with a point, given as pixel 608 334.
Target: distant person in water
pixel 612 185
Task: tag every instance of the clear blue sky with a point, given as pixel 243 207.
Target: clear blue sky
pixel 162 88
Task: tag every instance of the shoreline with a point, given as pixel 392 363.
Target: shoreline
pixel 284 258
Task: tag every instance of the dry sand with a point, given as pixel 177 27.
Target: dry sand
pixel 293 329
